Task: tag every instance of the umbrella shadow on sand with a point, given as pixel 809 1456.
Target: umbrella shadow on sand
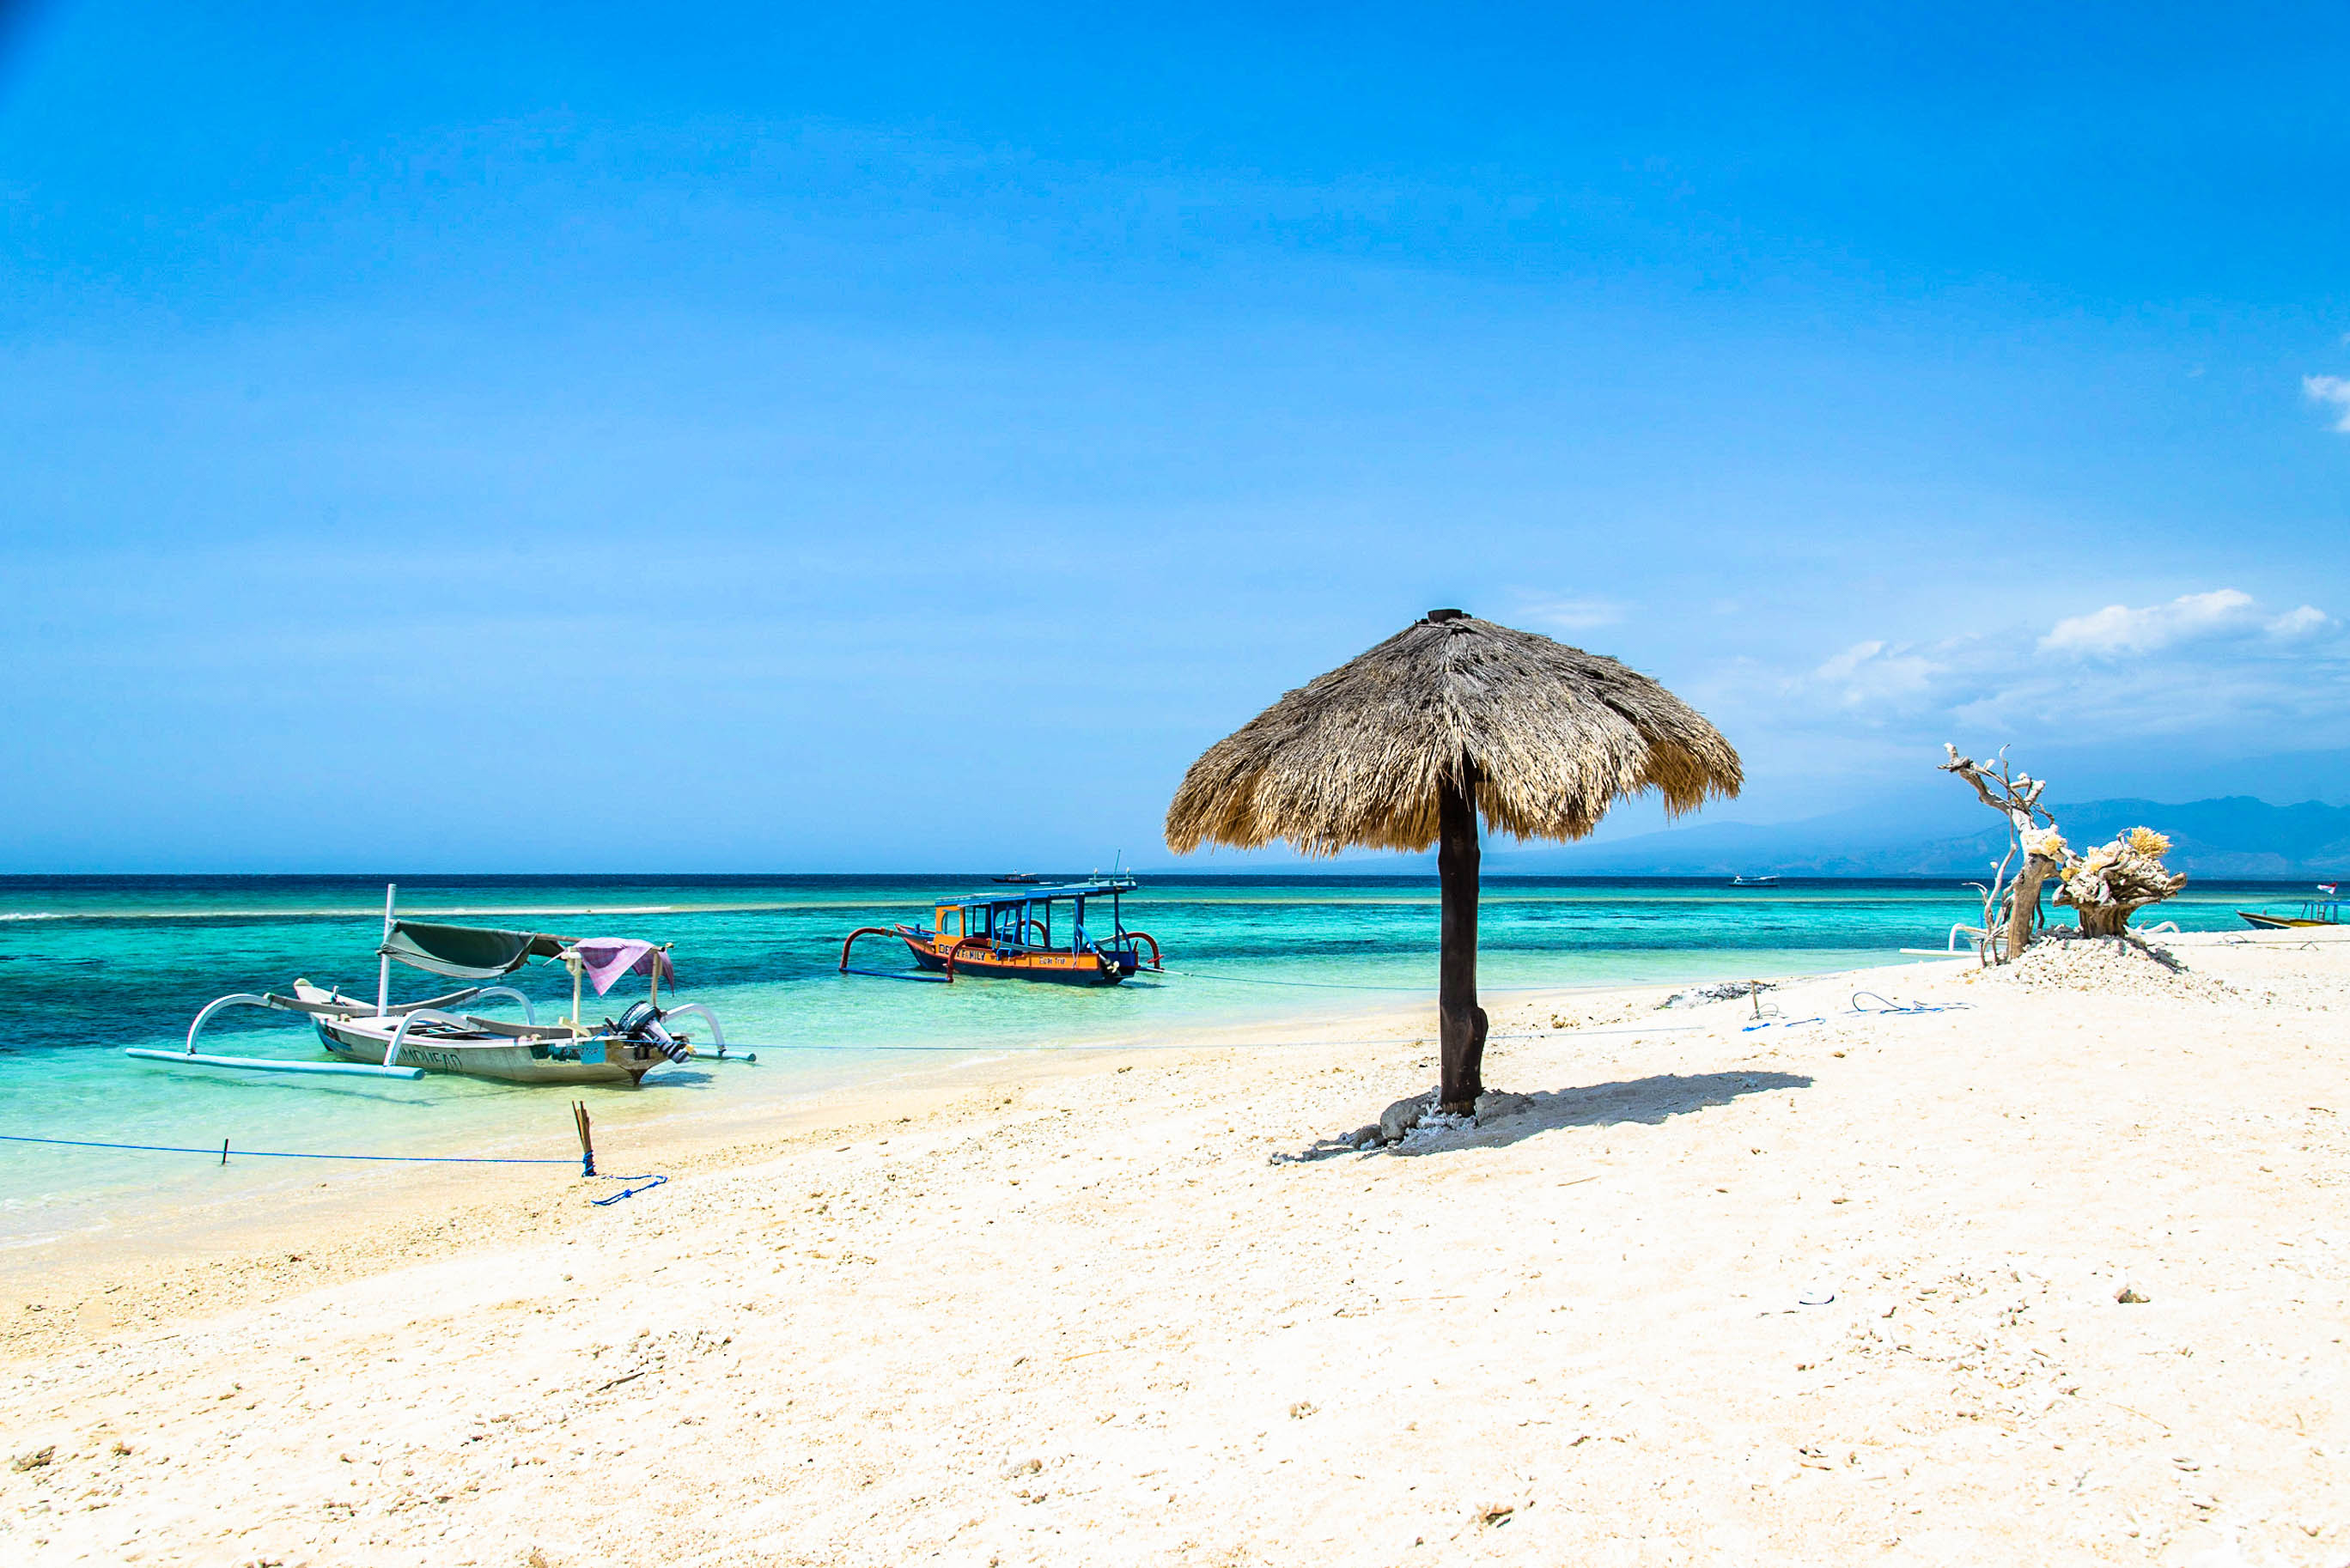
pixel 1503 1118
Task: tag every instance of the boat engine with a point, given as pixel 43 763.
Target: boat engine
pixel 642 1023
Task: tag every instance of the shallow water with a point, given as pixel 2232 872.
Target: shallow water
pixel 88 965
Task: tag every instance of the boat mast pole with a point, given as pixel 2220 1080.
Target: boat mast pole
pixel 383 965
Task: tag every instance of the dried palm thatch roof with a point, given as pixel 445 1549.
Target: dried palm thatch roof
pixel 1551 736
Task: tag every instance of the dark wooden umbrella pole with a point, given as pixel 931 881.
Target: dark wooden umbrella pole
pixel 1460 1022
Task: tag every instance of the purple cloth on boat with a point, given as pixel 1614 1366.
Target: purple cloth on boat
pixel 607 958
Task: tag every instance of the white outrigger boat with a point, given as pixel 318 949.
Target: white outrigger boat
pixel 381 1039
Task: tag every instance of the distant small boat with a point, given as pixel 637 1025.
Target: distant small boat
pixel 2320 911
pixel 1019 879
pixel 1754 881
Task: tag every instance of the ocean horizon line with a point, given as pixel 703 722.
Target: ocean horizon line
pixel 691 879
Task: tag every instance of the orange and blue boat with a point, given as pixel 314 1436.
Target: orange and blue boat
pixel 1035 933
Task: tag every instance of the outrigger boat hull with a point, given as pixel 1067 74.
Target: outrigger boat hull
pixel 506 1060
pixel 554 1057
pixel 974 957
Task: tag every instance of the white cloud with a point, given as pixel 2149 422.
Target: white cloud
pixel 2331 390
pixel 2117 629
pixel 2220 664
pixel 2217 662
pixel 2307 621
pixel 1874 674
pixel 1573 614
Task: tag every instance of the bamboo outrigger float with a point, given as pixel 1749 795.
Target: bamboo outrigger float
pixel 1010 936
pixel 382 1039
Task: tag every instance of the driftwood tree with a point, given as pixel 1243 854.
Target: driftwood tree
pixel 2009 912
pixel 2114 881
pixel 2105 886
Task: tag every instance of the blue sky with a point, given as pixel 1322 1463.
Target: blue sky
pixel 499 438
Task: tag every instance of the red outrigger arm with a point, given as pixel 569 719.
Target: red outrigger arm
pixel 864 931
pixel 960 943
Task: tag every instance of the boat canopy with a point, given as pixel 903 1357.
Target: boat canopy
pixel 607 958
pixel 465 952
pixel 1101 887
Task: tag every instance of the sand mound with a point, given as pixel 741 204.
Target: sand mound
pixel 2117 966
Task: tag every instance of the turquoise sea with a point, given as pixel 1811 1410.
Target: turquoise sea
pixel 88 965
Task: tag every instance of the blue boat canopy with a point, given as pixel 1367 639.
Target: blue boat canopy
pixel 1013 898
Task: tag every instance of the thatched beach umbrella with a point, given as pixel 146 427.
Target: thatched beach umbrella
pixel 1404 746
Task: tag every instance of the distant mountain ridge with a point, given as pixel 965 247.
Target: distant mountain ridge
pixel 2229 836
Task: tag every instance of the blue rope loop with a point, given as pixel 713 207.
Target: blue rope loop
pixel 1886 1004
pixel 651 1182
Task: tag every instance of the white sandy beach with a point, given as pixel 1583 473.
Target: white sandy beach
pixel 1815 1293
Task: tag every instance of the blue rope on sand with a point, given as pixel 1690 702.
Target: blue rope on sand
pixel 1296 984
pixel 649 1181
pixel 1889 1006
pixel 280 1154
pixel 999 1050
pixel 1173 973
